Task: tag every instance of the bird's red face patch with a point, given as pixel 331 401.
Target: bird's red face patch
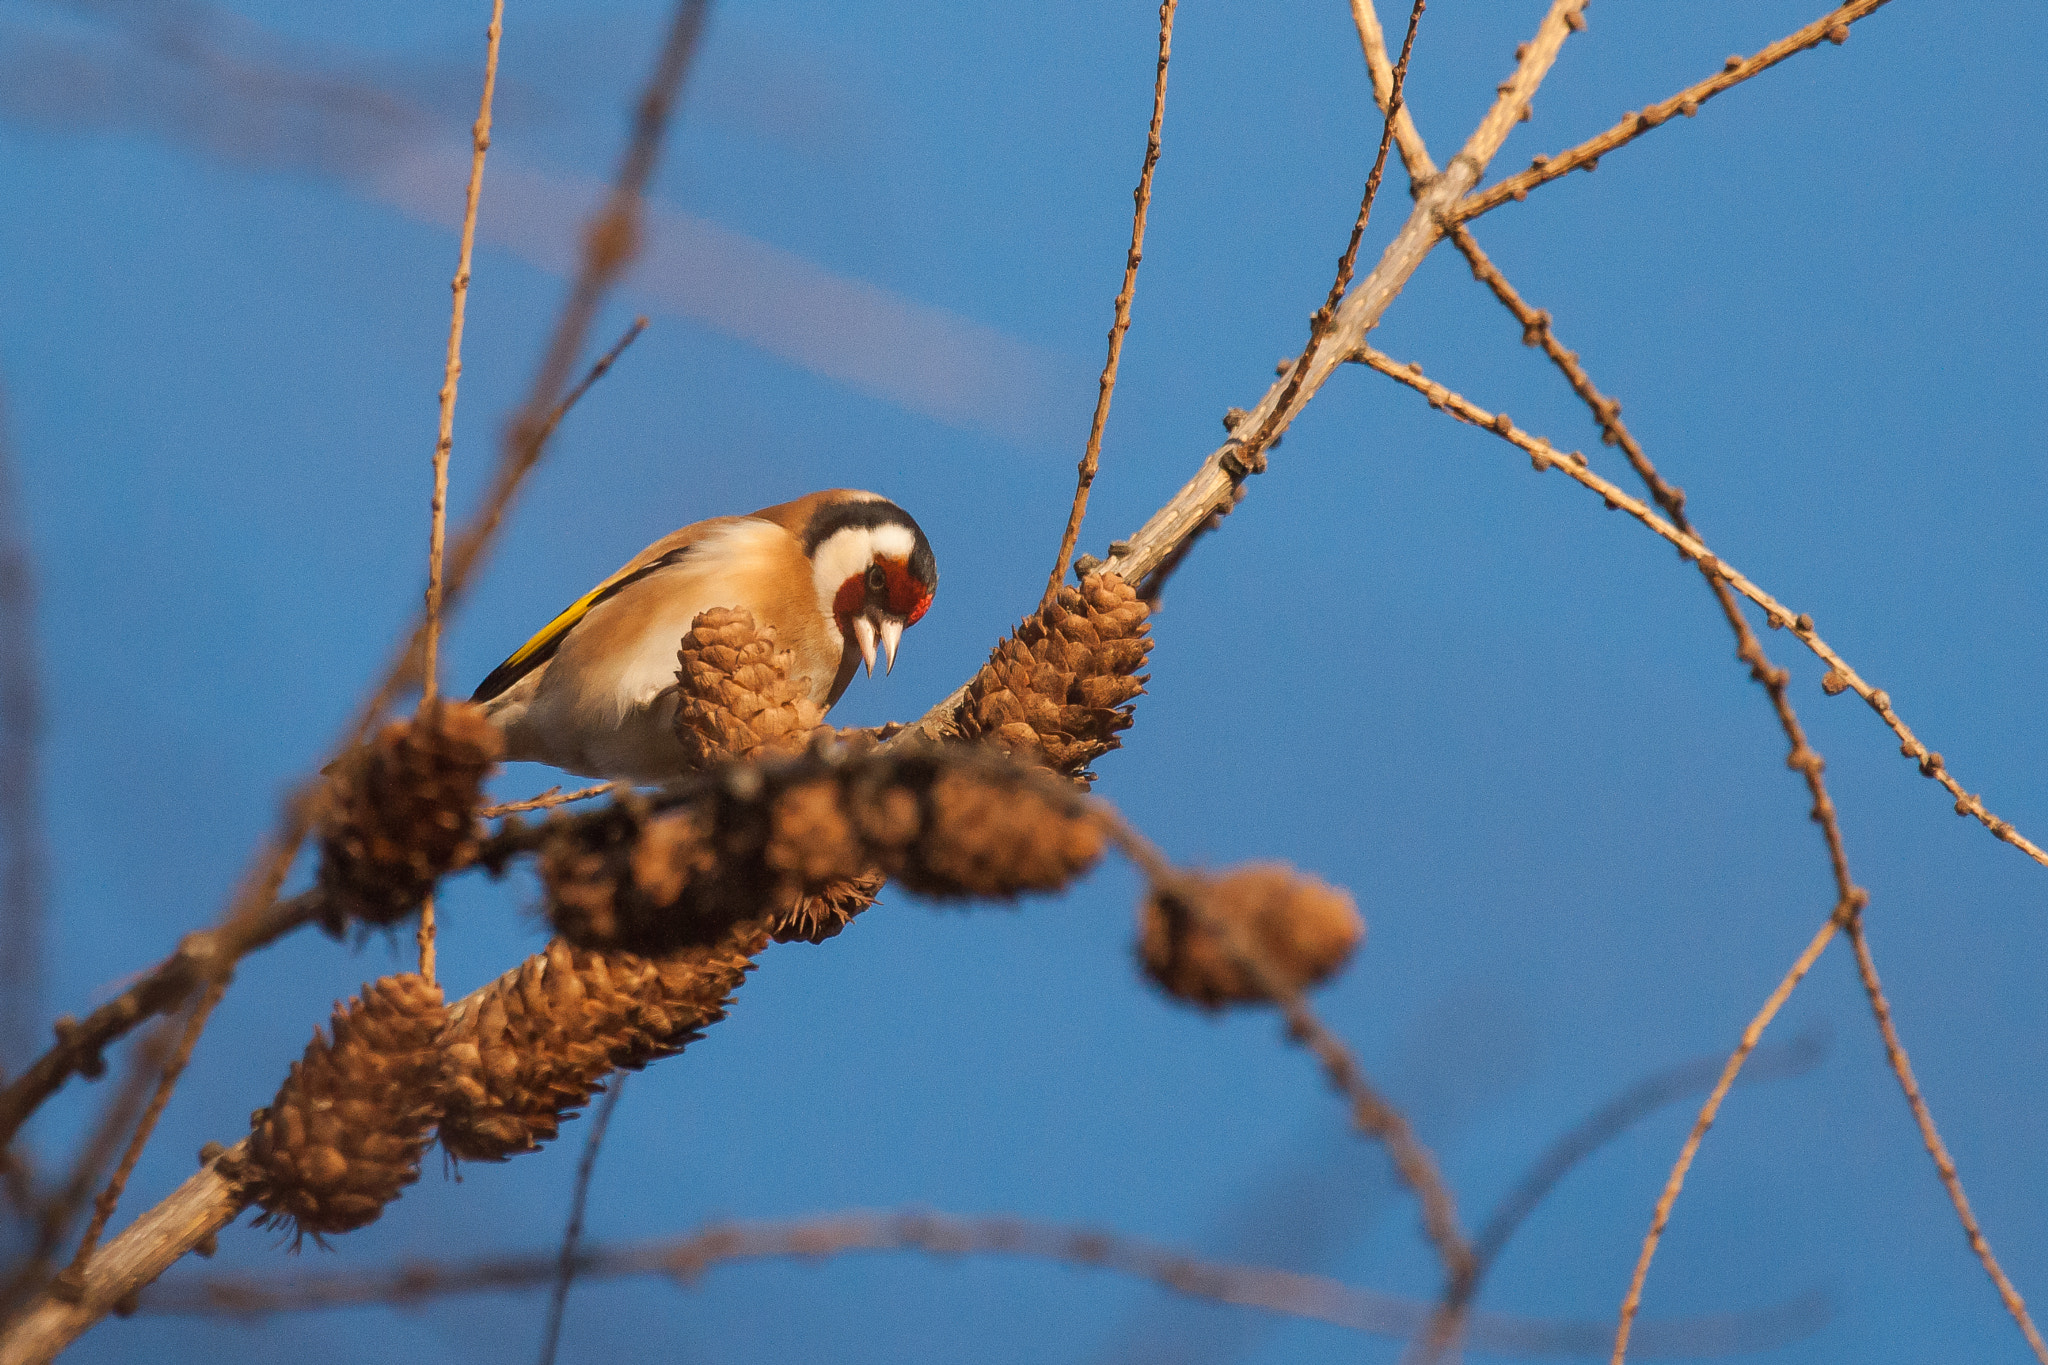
pixel 907 597
pixel 889 585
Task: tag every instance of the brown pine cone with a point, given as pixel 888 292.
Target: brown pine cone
pixel 350 1123
pixel 738 700
pixel 544 1036
pixel 1059 689
pixel 986 833
pixel 401 813
pixel 815 916
pixel 1303 930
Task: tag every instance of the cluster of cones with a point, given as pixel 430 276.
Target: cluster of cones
pixel 660 906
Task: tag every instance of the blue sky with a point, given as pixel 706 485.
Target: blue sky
pixel 1510 722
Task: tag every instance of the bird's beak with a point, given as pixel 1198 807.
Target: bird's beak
pixel 892 633
pixel 864 635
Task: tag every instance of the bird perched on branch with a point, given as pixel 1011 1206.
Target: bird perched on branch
pixel 836 576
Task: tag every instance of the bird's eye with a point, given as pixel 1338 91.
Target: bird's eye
pixel 877 580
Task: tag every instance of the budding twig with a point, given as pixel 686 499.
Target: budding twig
pixel 1841 677
pixel 1091 458
pixel 1216 484
pixel 444 444
pixel 1944 1164
pixel 1831 27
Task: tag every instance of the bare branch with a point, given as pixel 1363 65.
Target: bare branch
pixel 1830 27
pixel 547 800
pixel 24 876
pixel 1841 677
pixel 1675 1182
pixel 1371 1113
pixel 685 1259
pixel 166 986
pixel 567 1265
pixel 1944 1164
pixel 444 444
pixel 1775 1061
pixel 1215 487
pixel 1091 458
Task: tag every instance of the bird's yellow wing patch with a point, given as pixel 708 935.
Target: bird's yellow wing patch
pixel 542 647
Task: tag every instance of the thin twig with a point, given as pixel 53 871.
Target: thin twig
pixel 1841 677
pixel 1091 458
pixel 684 1260
pixel 1325 318
pixel 444 442
pixel 1830 27
pixel 547 800
pixel 566 1265
pixel 1675 1182
pixel 174 1067
pixel 1944 1164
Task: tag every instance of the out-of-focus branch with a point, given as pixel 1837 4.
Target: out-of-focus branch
pixel 1841 677
pixel 1215 486
pixel 1830 27
pixel 1371 1113
pixel 166 986
pixel 1091 458
pixel 566 1263
pixel 1775 1062
pixel 23 875
pixel 685 1259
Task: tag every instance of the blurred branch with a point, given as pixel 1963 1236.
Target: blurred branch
pixel 566 1265
pixel 685 1259
pixel 166 986
pixel 1612 1119
pixel 1371 1113
pixel 1841 677
pixel 1091 458
pixel 1830 27
pixel 24 876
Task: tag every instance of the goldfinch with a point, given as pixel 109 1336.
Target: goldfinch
pixel 835 574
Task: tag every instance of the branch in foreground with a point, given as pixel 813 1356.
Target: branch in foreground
pixel 1091 458
pixel 202 953
pixel 1841 677
pixel 686 1259
pixel 1830 27
pixel 519 1053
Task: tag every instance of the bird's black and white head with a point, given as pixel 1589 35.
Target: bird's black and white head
pixel 873 569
